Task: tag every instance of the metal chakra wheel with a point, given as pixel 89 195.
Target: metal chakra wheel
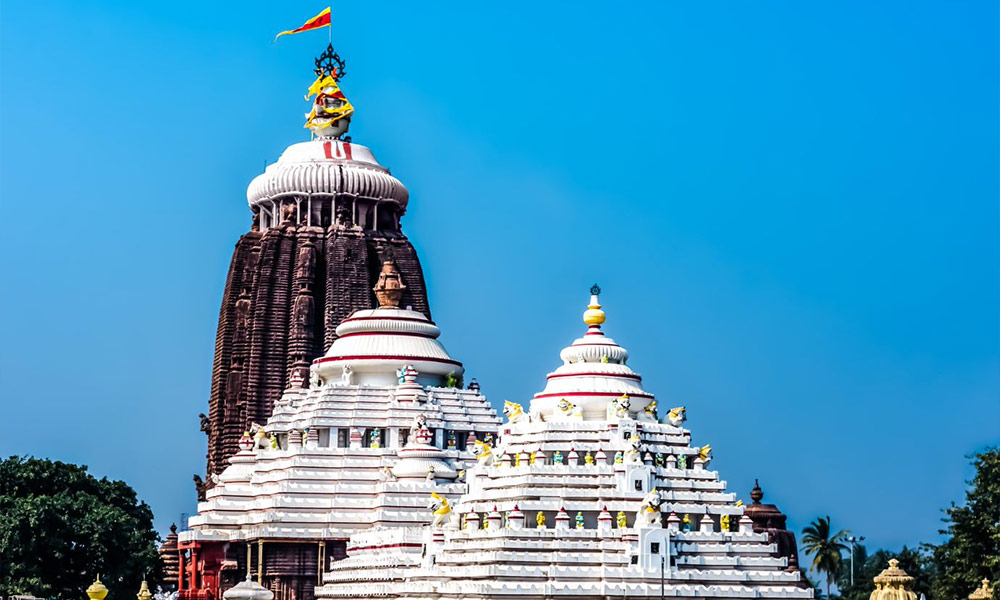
pixel 330 63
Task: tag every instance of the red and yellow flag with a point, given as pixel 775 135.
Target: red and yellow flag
pixel 320 20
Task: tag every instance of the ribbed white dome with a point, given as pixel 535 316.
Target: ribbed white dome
pixel 593 374
pixel 376 343
pixel 327 167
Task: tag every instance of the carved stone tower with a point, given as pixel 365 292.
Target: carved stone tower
pixel 325 216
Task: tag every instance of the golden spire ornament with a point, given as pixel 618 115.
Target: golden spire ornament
pixel 983 592
pixel 594 316
pixel 144 593
pixel 97 591
pixel 893 584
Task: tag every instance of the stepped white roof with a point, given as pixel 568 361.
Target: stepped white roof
pixel 324 465
pixel 601 500
pixel 374 344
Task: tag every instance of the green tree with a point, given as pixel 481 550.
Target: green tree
pixel 61 526
pixel 843 579
pixel 826 549
pixel 972 550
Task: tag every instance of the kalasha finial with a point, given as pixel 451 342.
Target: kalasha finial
pixel 756 494
pixel 389 287
pixel 97 591
pixel 594 316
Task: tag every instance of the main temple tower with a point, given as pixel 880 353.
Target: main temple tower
pixel 324 217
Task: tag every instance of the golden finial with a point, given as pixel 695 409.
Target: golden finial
pixel 594 315
pixel 984 592
pixel 144 593
pixel 893 584
pixel 97 591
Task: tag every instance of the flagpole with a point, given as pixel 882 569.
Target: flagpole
pixel 329 27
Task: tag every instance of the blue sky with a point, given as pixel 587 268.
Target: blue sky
pixel 791 207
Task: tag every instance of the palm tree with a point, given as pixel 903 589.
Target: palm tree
pixel 825 549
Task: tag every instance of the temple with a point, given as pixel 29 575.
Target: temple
pixel 324 216
pixel 587 493
pixel 350 458
pixel 380 425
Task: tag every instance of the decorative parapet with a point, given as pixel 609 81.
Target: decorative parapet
pixel 386 541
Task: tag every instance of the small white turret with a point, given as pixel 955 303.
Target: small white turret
pixel 746 524
pixel 562 519
pixel 604 520
pixel 516 518
pixel 707 523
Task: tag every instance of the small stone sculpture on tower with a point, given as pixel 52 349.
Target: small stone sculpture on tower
pixel 389 288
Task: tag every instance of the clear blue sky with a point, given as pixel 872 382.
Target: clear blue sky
pixel 791 206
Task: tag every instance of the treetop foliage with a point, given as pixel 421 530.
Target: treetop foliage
pixel 60 527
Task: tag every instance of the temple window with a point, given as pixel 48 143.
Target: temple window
pixel 404 436
pixel 324 437
pixel 342 438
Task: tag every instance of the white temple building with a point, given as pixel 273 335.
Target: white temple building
pixel 588 495
pixel 381 425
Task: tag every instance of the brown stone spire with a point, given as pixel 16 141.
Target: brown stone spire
pixel 287 290
pixel 768 519
pixel 389 288
pixel 170 559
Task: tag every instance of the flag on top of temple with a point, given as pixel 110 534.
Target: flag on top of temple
pixel 320 20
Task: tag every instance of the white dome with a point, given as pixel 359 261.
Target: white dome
pixel 248 589
pixel 376 343
pixel 593 373
pixel 327 167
